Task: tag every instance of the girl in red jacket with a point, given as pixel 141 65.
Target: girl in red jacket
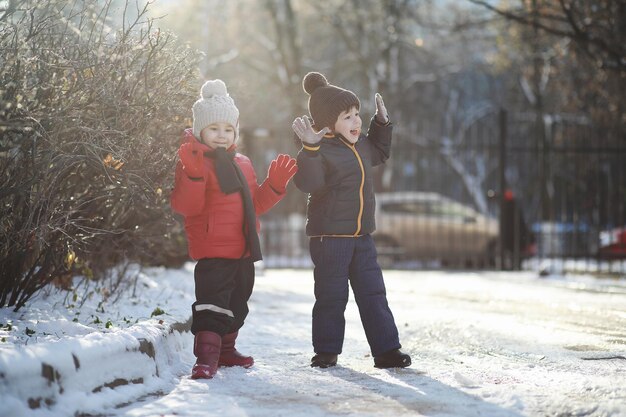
pixel 217 193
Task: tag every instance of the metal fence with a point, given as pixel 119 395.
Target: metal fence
pixel 490 190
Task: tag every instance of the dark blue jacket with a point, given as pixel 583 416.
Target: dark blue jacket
pixel 337 175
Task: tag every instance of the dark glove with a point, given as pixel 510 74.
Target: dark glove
pixel 281 170
pixel 191 155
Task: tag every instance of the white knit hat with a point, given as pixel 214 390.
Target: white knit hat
pixel 215 105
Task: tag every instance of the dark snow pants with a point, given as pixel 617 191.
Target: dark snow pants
pixel 223 288
pixel 339 260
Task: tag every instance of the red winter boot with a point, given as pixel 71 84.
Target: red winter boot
pixel 229 355
pixel 206 347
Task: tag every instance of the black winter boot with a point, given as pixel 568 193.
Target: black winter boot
pixel 324 360
pixel 392 359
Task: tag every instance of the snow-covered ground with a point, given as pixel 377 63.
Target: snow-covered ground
pixel 483 344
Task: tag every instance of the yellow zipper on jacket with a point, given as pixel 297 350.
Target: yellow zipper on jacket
pixel 352 147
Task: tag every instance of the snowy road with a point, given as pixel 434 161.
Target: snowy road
pixel 489 344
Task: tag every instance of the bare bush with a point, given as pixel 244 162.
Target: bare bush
pixel 89 120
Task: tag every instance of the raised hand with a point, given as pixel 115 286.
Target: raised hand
pixel 191 155
pixel 302 127
pixel 382 116
pixel 281 170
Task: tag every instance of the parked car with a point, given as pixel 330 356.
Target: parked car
pixel 430 227
pixel 613 243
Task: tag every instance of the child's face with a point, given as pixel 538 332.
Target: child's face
pixel 218 135
pixel 348 124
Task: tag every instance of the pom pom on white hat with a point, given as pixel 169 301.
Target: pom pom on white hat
pixel 215 105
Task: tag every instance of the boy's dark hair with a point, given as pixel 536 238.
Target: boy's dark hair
pixel 348 108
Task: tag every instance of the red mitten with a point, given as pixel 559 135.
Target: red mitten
pixel 191 155
pixel 281 170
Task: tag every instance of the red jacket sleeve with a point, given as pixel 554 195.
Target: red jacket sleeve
pixel 265 198
pixel 187 197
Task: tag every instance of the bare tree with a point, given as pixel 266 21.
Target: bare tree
pixel 598 28
pixel 567 50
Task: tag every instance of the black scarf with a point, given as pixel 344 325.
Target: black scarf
pixel 231 179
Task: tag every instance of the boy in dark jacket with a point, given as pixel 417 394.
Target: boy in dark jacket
pixel 335 169
pixel 217 193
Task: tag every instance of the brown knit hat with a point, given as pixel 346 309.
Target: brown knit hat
pixel 327 101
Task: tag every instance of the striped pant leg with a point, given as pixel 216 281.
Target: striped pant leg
pixel 331 257
pixel 366 279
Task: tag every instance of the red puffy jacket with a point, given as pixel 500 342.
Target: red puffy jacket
pixel 214 220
